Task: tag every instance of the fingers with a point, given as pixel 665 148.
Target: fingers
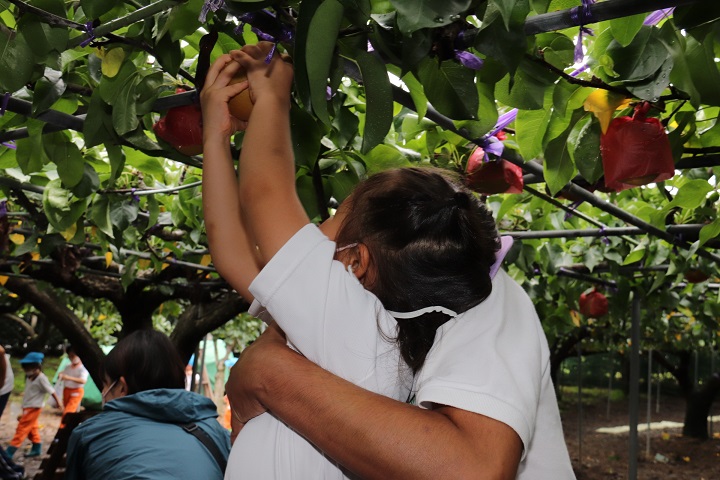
pixel 215 69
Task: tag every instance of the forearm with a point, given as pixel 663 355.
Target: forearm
pixel 57 399
pixel 267 177
pixel 74 379
pixel 232 250
pixel 377 437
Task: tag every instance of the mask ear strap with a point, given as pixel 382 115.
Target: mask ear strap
pixel 350 269
pixel 423 311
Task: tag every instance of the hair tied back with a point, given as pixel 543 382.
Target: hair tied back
pixel 462 200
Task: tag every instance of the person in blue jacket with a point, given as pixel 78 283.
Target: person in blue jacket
pixel 150 427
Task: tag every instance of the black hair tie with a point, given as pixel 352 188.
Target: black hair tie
pixel 462 200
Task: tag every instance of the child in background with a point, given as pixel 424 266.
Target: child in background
pixel 74 378
pixel 37 386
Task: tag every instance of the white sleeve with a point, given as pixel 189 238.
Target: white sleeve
pixel 325 312
pixel 490 360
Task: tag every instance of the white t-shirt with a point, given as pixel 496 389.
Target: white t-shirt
pixel 7 386
pixel 494 360
pixel 327 315
pixel 36 390
pixel 78 371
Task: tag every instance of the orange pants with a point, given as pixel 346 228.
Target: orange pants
pixel 71 401
pixel 27 428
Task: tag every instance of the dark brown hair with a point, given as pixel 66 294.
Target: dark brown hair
pixel 432 243
pixel 148 360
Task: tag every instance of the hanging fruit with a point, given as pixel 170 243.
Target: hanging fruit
pixel 181 127
pixel 593 304
pixel 241 105
pixel 696 275
pixel 636 151
pixel 490 176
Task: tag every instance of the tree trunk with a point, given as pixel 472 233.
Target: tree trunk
pixel 698 408
pixel 65 320
pixel 198 320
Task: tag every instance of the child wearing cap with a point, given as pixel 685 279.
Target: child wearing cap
pixel 37 386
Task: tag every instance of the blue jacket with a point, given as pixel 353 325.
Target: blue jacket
pixel 138 437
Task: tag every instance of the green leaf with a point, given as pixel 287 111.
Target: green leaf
pixel 709 231
pixel 703 69
pixel 110 87
pixel 680 75
pixel 183 19
pixel 124 113
pixel 169 54
pixel 417 93
pixel 61 208
pixel 378 93
pixel 505 7
pixel 14 62
pixel 635 255
pixel 88 184
pixel 307 135
pixel 384 157
pixel 642 58
pixel 96 8
pixel 70 164
pixel 47 91
pixel 41 37
pixel 558 168
pixel 530 127
pixel 99 214
pixel 652 87
pixel 123 214
pixel 526 90
pixel 320 46
pixel 342 184
pixel 691 195
pixel 30 153
pixel 308 8
pixel 450 88
pixel 506 46
pixel 624 29
pixel 583 145
pixel 97 128
pixel 117 162
pixel 416 14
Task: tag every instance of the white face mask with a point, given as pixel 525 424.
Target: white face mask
pixel 75 361
pixel 106 391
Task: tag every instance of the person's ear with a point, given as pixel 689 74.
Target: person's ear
pixel 361 263
pixel 122 387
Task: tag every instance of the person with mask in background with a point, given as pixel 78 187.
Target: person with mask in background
pixel 74 377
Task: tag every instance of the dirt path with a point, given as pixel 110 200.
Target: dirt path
pixel 672 457
pixel 49 422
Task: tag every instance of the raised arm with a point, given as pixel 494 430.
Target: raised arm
pixel 371 435
pixel 232 249
pixel 268 197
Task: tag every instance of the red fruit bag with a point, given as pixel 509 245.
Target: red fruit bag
pixel 181 127
pixel 636 151
pixel 593 304
pixel 493 176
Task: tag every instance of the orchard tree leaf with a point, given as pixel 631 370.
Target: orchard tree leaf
pixel 14 65
pixel 320 46
pixel 583 145
pixel 709 231
pixel 413 15
pixel 450 88
pixel 642 58
pixel 624 29
pixel 378 93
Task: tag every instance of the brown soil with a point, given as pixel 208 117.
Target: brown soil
pixel 49 422
pixel 604 456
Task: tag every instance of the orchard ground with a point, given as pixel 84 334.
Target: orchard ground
pixel 604 455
